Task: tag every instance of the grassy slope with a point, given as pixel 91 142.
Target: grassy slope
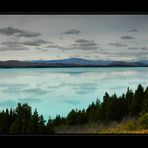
pixel 127 126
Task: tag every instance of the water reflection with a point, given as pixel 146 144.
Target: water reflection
pixel 57 90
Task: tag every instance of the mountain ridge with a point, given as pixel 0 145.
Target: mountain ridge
pixel 71 62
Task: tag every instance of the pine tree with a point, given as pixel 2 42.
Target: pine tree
pixel 145 101
pixel 50 126
pixel 72 117
pixel 33 127
pixel 104 104
pixel 136 105
pixel 129 98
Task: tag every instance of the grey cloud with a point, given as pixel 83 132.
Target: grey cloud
pixel 144 48
pixel 101 51
pixel 49 42
pixel 9 31
pixel 11 44
pixel 84 41
pixel 60 38
pixel 79 44
pixel 52 46
pixel 22 33
pixel 29 34
pixel 12 89
pixel 117 44
pixel 34 42
pixel 84 45
pixel 35 91
pixel 41 49
pixel 73 31
pixel 133 48
pixel 13 49
pixel 137 55
pixel 133 30
pixel 57 46
pixel 127 37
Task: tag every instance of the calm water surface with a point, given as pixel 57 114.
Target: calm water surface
pixel 58 90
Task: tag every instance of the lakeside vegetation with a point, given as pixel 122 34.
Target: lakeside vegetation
pixel 127 113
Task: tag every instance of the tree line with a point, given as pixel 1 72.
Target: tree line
pixel 112 108
pixel 22 120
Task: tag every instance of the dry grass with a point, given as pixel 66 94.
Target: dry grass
pixel 130 126
pixel 87 128
pixel 127 126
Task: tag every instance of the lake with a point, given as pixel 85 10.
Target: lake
pixel 55 91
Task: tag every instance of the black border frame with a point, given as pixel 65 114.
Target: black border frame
pixel 76 139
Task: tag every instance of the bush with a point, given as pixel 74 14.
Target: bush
pixel 143 119
pixel 131 125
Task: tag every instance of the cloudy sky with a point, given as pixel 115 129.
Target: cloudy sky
pixel 99 37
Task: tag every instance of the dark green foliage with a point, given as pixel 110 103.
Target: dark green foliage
pixel 33 126
pixel 22 121
pixel 58 121
pixel 76 117
pixel 50 126
pixel 23 116
pixel 136 105
pixel 121 109
pixel 145 101
pixel 128 100
pixel 143 119
pixel 72 118
pixel 104 106
pixel 4 122
pixel 112 108
pixel 93 111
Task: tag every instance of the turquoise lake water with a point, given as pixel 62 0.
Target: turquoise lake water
pixel 58 90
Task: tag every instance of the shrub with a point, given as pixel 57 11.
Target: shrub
pixel 131 125
pixel 143 119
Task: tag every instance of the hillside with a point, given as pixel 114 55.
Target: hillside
pixel 71 62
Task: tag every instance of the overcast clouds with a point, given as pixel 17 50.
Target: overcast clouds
pixel 46 37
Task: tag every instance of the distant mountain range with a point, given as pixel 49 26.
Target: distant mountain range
pixel 71 62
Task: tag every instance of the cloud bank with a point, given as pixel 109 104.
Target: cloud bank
pixel 73 32
pixel 127 37
pixel 18 32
